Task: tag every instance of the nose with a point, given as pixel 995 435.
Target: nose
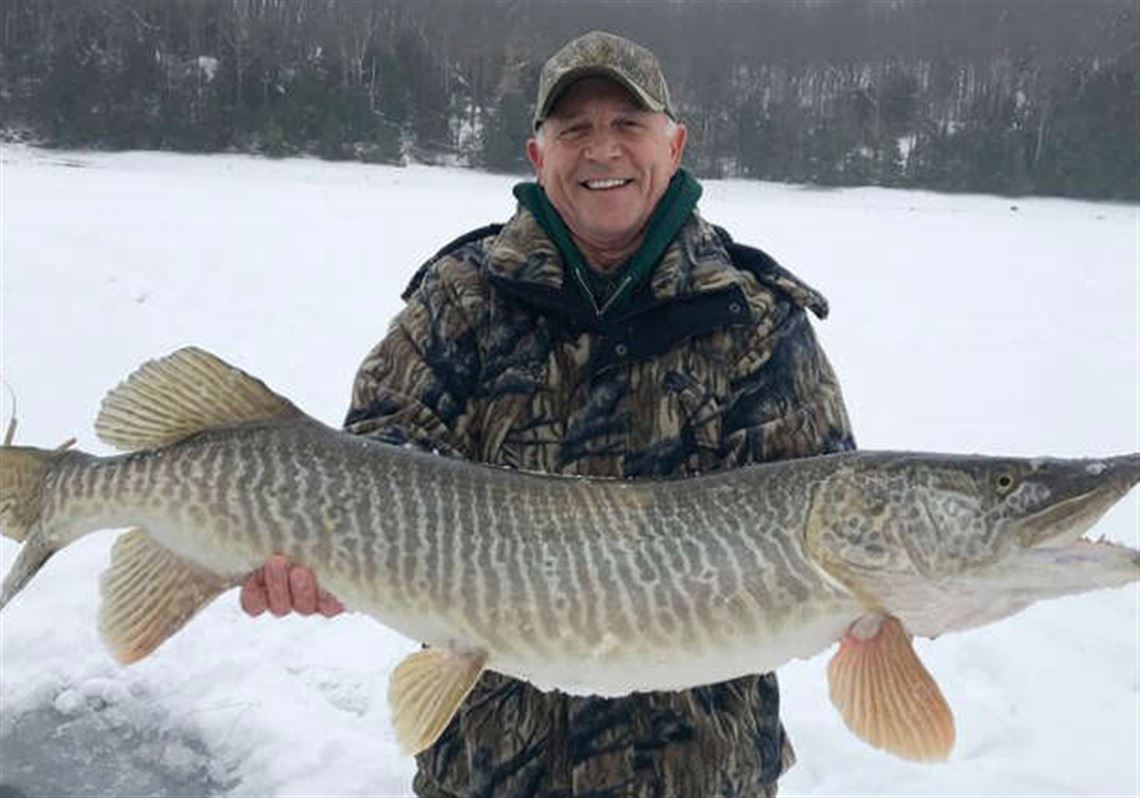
pixel 602 146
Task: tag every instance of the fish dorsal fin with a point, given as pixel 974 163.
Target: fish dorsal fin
pixel 148 594
pixel 885 694
pixel 181 394
pixel 425 691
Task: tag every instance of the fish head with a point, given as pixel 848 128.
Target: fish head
pixel 1052 503
pixel 952 541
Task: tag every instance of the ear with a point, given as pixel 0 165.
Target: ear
pixel 677 144
pixel 534 155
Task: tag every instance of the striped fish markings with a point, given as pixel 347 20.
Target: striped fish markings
pixel 586 585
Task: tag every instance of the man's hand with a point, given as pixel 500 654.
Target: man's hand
pixel 281 588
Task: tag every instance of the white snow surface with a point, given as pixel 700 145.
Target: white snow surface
pixel 959 323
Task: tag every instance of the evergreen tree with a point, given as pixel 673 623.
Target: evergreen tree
pixel 1014 96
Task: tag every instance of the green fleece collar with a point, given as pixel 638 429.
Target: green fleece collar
pixel 668 217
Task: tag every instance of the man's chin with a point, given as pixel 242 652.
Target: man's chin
pixel 611 227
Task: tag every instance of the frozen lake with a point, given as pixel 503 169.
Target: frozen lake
pixel 959 323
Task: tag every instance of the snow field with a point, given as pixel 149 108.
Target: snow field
pixel 959 323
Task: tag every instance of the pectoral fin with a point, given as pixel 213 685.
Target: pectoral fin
pixel 426 690
pixel 885 694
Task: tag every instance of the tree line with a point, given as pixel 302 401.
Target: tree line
pixel 1006 96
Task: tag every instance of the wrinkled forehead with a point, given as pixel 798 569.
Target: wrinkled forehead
pixel 590 93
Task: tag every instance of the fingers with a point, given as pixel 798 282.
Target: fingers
pixel 304 589
pixel 281 588
pixel 328 605
pixel 277 585
pixel 253 598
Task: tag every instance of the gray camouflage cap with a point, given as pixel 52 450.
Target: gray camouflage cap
pixel 601 54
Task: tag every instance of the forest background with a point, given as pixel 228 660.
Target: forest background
pixel 1000 96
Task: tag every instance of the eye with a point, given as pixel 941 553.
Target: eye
pixel 1004 482
pixel 572 132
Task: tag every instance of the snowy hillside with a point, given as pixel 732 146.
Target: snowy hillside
pixel 959 323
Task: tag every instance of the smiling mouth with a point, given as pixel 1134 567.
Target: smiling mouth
pixel 607 184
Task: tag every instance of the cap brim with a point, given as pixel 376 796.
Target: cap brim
pixel 574 75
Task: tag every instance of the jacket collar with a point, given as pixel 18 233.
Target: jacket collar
pixel 669 216
pixel 524 260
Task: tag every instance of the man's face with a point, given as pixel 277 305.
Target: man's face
pixel 604 162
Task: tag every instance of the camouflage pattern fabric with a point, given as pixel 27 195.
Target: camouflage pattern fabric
pixel 494 359
pixel 604 55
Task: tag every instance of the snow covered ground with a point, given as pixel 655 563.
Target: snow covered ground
pixel 959 323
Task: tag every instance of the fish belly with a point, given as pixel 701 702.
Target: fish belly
pixel 614 668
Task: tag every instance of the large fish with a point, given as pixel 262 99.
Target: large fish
pixel 585 585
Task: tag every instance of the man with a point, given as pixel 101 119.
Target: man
pixel 605 329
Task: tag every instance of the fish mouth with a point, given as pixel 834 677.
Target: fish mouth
pixel 1086 490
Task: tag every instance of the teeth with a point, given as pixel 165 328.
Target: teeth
pixel 601 184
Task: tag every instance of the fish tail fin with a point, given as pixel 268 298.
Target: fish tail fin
pixel 23 471
pixel 31 559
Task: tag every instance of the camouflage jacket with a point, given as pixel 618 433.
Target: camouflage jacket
pixel 498 358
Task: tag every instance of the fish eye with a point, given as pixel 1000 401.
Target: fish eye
pixel 1004 482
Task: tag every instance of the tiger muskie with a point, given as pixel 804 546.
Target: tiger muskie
pixel 591 586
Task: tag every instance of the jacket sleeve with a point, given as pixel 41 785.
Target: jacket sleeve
pixel 416 386
pixel 786 401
